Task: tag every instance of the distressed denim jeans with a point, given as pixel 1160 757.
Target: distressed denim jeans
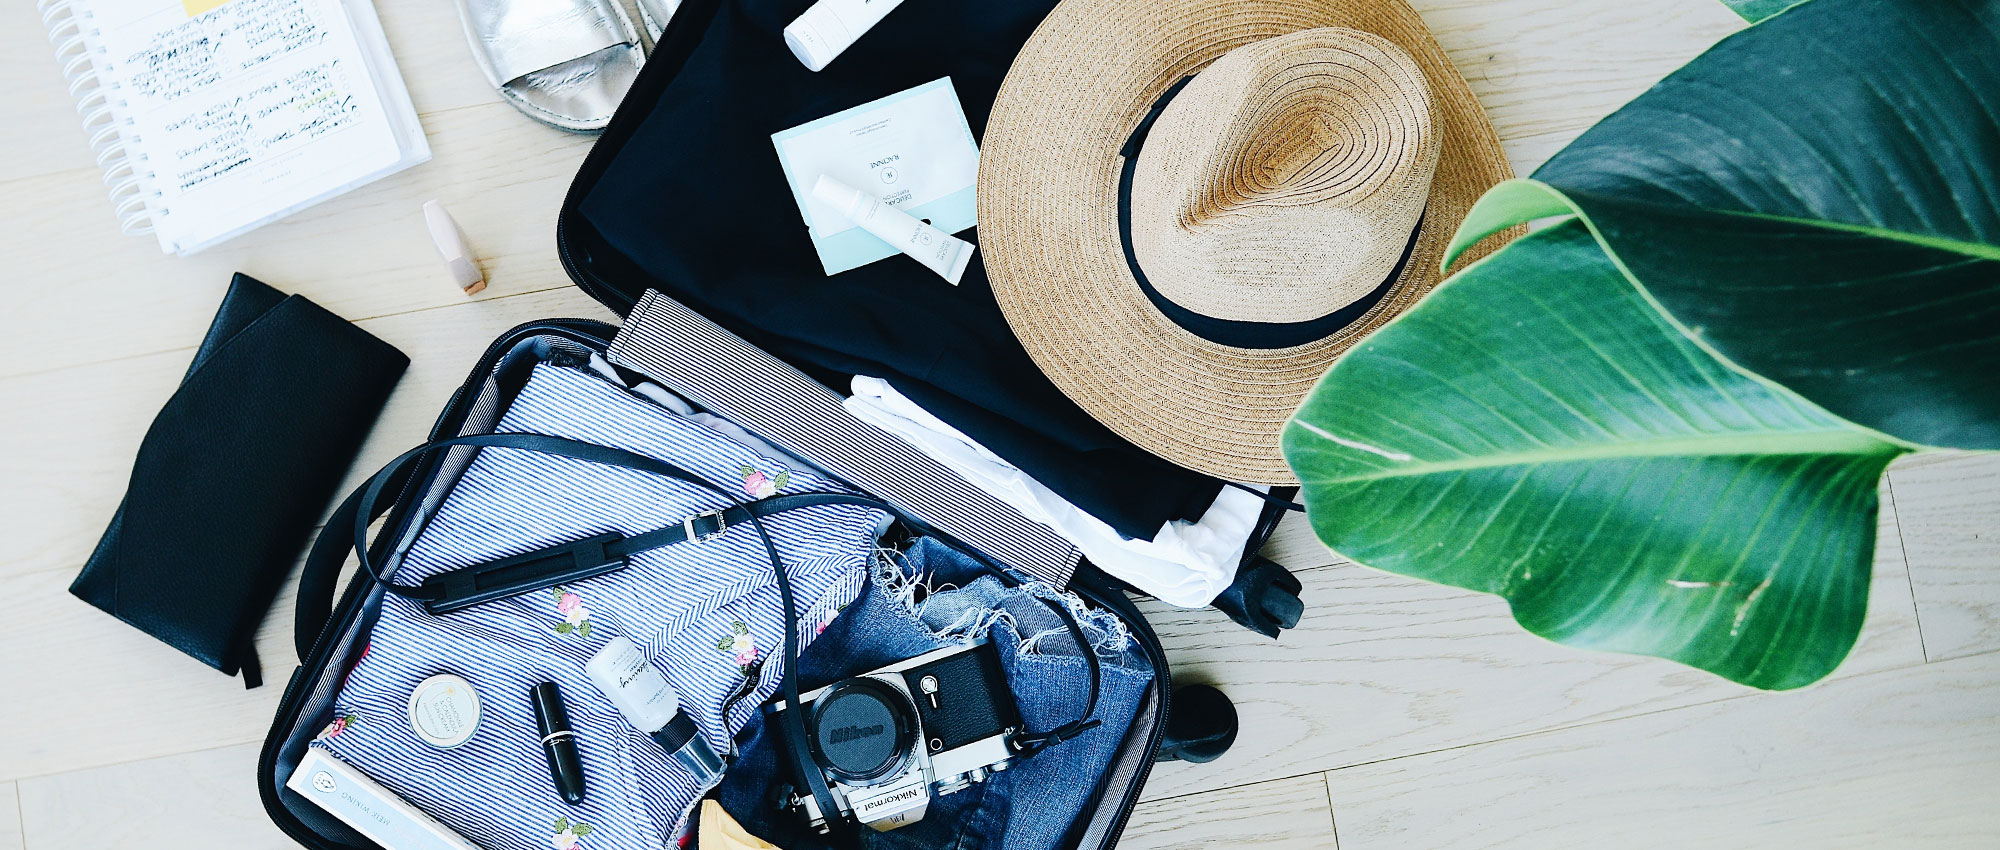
pixel 932 598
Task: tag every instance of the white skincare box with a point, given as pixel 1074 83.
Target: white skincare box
pixel 371 809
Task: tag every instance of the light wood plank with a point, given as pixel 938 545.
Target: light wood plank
pixel 1950 511
pixel 206 799
pixel 10 818
pixel 1283 814
pixel 98 296
pixel 42 132
pixel 152 700
pixel 85 424
pixel 1906 758
pixel 1553 67
pixel 1383 666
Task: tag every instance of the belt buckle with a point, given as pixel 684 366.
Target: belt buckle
pixel 693 536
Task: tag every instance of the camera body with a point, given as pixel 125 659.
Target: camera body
pixel 888 741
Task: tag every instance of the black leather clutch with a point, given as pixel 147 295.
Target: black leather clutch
pixel 234 472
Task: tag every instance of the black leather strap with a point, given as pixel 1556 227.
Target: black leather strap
pixel 708 525
pixel 365 505
pixel 1027 744
pixel 595 555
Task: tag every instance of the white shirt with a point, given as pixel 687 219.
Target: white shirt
pixel 1185 564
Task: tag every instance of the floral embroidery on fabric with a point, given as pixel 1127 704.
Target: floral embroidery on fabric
pixel 758 485
pixel 338 726
pixel 828 619
pixel 576 618
pixel 741 645
pixel 567 834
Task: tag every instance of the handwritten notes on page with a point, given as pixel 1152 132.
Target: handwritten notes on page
pixel 249 110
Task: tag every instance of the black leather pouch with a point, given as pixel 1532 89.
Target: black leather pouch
pixel 234 472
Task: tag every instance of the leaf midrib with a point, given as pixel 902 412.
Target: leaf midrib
pixel 1976 250
pixel 1816 443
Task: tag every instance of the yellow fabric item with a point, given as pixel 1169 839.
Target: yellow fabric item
pixel 719 831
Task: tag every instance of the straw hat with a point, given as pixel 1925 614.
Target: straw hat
pixel 1189 208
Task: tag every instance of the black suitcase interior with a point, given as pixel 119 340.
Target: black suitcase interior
pixel 333 633
pixel 331 641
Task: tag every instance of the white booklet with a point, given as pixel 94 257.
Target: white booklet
pixel 212 117
pixel 913 150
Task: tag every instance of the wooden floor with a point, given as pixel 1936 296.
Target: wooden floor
pixel 1398 714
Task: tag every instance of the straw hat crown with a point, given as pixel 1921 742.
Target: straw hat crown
pixel 1284 181
pixel 1189 208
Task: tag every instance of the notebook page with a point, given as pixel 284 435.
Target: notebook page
pixel 242 109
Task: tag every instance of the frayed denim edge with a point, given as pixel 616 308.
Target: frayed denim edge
pixel 899 578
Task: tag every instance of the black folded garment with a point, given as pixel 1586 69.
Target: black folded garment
pixel 235 470
pixel 707 135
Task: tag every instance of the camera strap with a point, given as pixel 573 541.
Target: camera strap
pixel 600 554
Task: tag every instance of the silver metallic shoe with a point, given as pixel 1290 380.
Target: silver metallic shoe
pixel 654 14
pixel 565 63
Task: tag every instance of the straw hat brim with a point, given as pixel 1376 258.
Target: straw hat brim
pixel 1048 221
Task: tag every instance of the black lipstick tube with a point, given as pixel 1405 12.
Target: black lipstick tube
pixel 558 742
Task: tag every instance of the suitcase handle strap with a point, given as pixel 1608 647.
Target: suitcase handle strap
pixel 578 559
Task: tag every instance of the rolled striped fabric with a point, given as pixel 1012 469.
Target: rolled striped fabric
pixel 718 370
pixel 706 614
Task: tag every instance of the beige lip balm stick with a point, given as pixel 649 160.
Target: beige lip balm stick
pixel 451 246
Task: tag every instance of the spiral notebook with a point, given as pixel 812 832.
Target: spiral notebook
pixel 213 117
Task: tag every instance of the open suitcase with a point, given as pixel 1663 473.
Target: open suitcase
pixel 720 372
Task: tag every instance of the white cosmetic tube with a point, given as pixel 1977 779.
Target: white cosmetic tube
pixel 939 251
pixel 830 26
pixel 633 685
pixel 636 688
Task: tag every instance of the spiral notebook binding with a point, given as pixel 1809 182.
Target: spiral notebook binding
pixel 125 174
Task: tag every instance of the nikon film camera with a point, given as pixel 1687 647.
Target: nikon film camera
pixel 888 741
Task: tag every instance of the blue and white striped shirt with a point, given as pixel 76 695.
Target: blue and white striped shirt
pixel 705 614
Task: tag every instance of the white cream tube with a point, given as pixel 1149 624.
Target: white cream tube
pixel 939 251
pixel 829 26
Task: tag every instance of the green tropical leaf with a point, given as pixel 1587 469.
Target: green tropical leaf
pixel 725 644
pixel 562 628
pixel 783 479
pixel 556 593
pixel 562 824
pixel 1757 10
pixel 1818 199
pixel 583 829
pixel 583 629
pixel 1536 429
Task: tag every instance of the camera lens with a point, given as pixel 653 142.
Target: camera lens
pixel 862 730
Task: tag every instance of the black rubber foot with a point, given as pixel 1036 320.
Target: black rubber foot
pixel 1201 725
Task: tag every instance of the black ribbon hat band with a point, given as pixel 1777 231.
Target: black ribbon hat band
pixel 1231 332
